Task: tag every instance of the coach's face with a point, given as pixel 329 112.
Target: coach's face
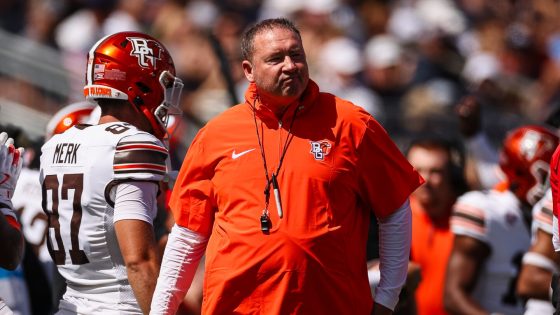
pixel 436 195
pixel 278 65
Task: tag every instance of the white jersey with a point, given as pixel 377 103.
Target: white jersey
pixel 542 220
pixel 542 215
pixel 27 201
pixel 495 218
pixel 80 169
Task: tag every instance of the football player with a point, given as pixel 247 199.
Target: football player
pixel 30 286
pixel 100 182
pixel 540 262
pixel 492 228
pixel 11 245
pixel 27 196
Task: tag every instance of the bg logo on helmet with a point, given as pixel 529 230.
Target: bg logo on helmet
pixel 145 50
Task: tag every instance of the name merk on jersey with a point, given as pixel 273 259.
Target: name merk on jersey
pixel 66 153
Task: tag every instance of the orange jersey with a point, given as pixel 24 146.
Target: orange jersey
pixel 430 248
pixel 339 167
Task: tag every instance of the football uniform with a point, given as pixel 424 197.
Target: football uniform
pixel 27 201
pixel 13 289
pixel 80 170
pixel 542 220
pixel 496 219
pixel 542 214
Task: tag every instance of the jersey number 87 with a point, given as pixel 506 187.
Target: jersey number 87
pixel 58 193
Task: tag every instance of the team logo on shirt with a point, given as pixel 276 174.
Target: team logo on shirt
pixel 147 51
pixel 320 149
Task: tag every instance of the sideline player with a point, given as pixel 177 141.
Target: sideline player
pixel 100 182
pixel 492 228
pixel 540 262
pixel 11 244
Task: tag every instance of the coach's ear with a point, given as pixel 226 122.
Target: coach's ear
pixel 248 70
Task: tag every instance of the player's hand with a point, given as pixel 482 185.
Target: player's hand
pixel 11 161
pixel 468 111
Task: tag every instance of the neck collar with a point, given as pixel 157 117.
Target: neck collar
pixel 263 108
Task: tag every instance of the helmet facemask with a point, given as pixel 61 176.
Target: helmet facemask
pixel 172 87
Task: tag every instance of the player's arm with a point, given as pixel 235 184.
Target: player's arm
pixel 537 268
pixel 135 205
pixel 12 244
pixel 466 259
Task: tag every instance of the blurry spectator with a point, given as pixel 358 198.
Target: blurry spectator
pixel 12 14
pixel 42 18
pixel 388 72
pixel 441 164
pixel 480 151
pixel 79 31
pixel 491 226
pixel 76 33
pixel 339 64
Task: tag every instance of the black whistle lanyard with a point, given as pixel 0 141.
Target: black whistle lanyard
pixel 272 180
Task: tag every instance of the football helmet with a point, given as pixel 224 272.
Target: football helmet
pixel 135 67
pixel 70 115
pixel 525 159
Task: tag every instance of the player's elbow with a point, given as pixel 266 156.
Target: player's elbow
pixel 137 263
pixel 142 262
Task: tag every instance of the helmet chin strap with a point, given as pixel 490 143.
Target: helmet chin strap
pixel 156 127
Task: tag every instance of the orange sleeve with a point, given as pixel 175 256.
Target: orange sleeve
pixel 192 202
pixel 386 177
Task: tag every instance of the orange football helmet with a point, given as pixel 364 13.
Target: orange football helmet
pixel 525 160
pixel 135 67
pixel 70 115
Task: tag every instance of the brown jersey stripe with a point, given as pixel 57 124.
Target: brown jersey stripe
pixel 139 166
pixel 140 156
pixel 467 224
pixel 547 211
pixel 140 145
pixel 129 171
pixel 470 218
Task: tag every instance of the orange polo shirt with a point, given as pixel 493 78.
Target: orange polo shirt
pixel 340 166
pixel 430 248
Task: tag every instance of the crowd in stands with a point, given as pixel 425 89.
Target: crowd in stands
pixel 406 62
